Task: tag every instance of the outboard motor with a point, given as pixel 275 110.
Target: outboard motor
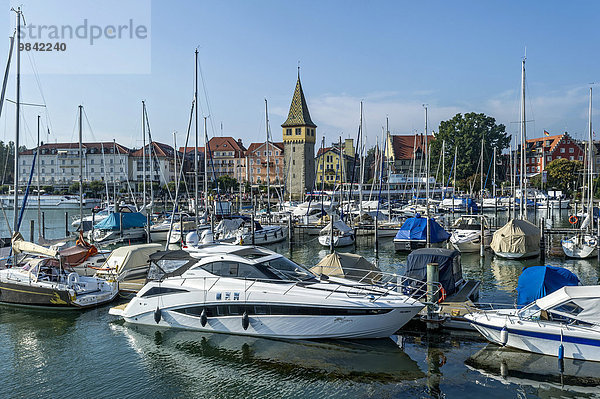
pixel 192 239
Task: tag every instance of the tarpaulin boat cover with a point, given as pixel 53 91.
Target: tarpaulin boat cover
pixel 448 261
pixel 130 221
pixel 536 282
pixel 516 236
pixel 415 228
pixel 347 265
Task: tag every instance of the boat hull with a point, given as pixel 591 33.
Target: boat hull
pixel 518 255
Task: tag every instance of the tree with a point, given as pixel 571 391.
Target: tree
pixel 96 188
pixel 227 183
pixel 465 133
pixel 563 175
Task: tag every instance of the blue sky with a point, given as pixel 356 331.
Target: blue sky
pixel 458 56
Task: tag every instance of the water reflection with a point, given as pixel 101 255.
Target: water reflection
pixel 196 353
pixel 526 369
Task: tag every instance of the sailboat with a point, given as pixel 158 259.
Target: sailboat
pixel 584 244
pixel 519 238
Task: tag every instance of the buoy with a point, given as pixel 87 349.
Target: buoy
pixel 203 317
pixel 503 336
pixel 561 352
pixel 245 321
pixel 157 315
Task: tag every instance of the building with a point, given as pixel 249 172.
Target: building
pixel 163 170
pixel 541 151
pixel 299 136
pixel 59 163
pixel 332 167
pixel 402 151
pixel 256 159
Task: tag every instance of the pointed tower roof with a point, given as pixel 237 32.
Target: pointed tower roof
pixel 298 115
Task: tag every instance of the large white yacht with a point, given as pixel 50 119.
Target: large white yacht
pixel 251 290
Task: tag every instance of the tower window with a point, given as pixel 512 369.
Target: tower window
pixel 293 149
pixel 298 131
pixel 288 132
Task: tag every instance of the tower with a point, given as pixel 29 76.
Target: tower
pixel 299 134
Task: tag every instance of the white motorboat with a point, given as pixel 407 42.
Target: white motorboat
pixel 466 236
pixel 119 226
pixel 580 246
pixel 251 290
pixel 565 323
pixel 100 215
pixel 343 235
pixel 263 235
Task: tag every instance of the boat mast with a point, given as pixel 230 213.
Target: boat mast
pixel 18 100
pixel 196 143
pixel 362 161
pixel 427 180
pixel 523 180
pixel 268 169
pixel 115 170
pixel 80 169
pixel 206 155
pixel 143 156
pixel 176 175
pixel 454 178
pixel 39 199
pixel 590 169
pixel 389 195
pixel 481 174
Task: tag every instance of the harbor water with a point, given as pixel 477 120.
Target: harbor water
pixel 90 354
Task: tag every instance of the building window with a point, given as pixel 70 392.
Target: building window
pixel 581 157
pixel 293 149
pixel 92 170
pixel 276 153
pixel 558 157
pixel 548 158
pixel 572 158
pixel 562 150
pixel 571 150
pixel 91 161
pixel 277 162
pixel 293 162
pixel 288 132
pixel 298 131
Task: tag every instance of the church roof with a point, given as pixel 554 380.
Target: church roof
pixel 298 115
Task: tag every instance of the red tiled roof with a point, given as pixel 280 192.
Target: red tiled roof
pixel 160 149
pixel 405 146
pixel 107 145
pixel 254 146
pixel 554 141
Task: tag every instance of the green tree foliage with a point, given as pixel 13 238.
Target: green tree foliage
pixel 465 132
pixel 226 183
pixel 563 175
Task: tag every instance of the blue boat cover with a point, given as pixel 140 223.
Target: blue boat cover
pixel 130 220
pixel 538 281
pixel 448 260
pixel 416 229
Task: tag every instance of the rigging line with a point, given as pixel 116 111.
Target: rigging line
pixel 153 152
pixel 39 84
pixel 204 89
pixel 28 104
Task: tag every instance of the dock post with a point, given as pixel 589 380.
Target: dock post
pixel 482 239
pixel 290 234
pixel 43 225
pixel 433 278
pixel 376 235
pixel 252 227
pixel 67 224
pixel 542 242
pixel 31 229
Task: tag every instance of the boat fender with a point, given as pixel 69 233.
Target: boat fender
pixel 503 336
pixel 157 315
pixel 245 321
pixel 203 318
pixel 73 279
pixel 561 352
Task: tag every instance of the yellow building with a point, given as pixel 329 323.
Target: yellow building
pixel 333 168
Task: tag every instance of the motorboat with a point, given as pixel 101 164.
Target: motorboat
pixel 41 280
pixel 347 265
pixel 466 236
pixel 536 282
pixel 342 234
pixel 119 226
pixel 413 234
pixel 565 323
pixel 517 239
pixel 99 215
pixel 251 290
pixel 263 234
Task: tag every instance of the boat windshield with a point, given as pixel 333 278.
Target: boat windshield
pixel 530 312
pixel 285 269
pixel 468 226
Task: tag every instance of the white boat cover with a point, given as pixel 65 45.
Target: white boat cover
pixel 516 236
pixel 228 227
pixel 586 297
pixel 19 245
pixel 129 257
pixel 337 225
pixel 347 265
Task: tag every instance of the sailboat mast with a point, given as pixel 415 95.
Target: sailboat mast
pixel 196 142
pixel 206 155
pixel 268 158
pixel 17 126
pixel 362 161
pixel 427 181
pixel 389 195
pixel 80 168
pixel 115 169
pixel 39 200
pixel 590 169
pixel 143 157
pixel 523 180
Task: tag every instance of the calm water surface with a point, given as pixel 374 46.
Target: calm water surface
pixel 93 355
